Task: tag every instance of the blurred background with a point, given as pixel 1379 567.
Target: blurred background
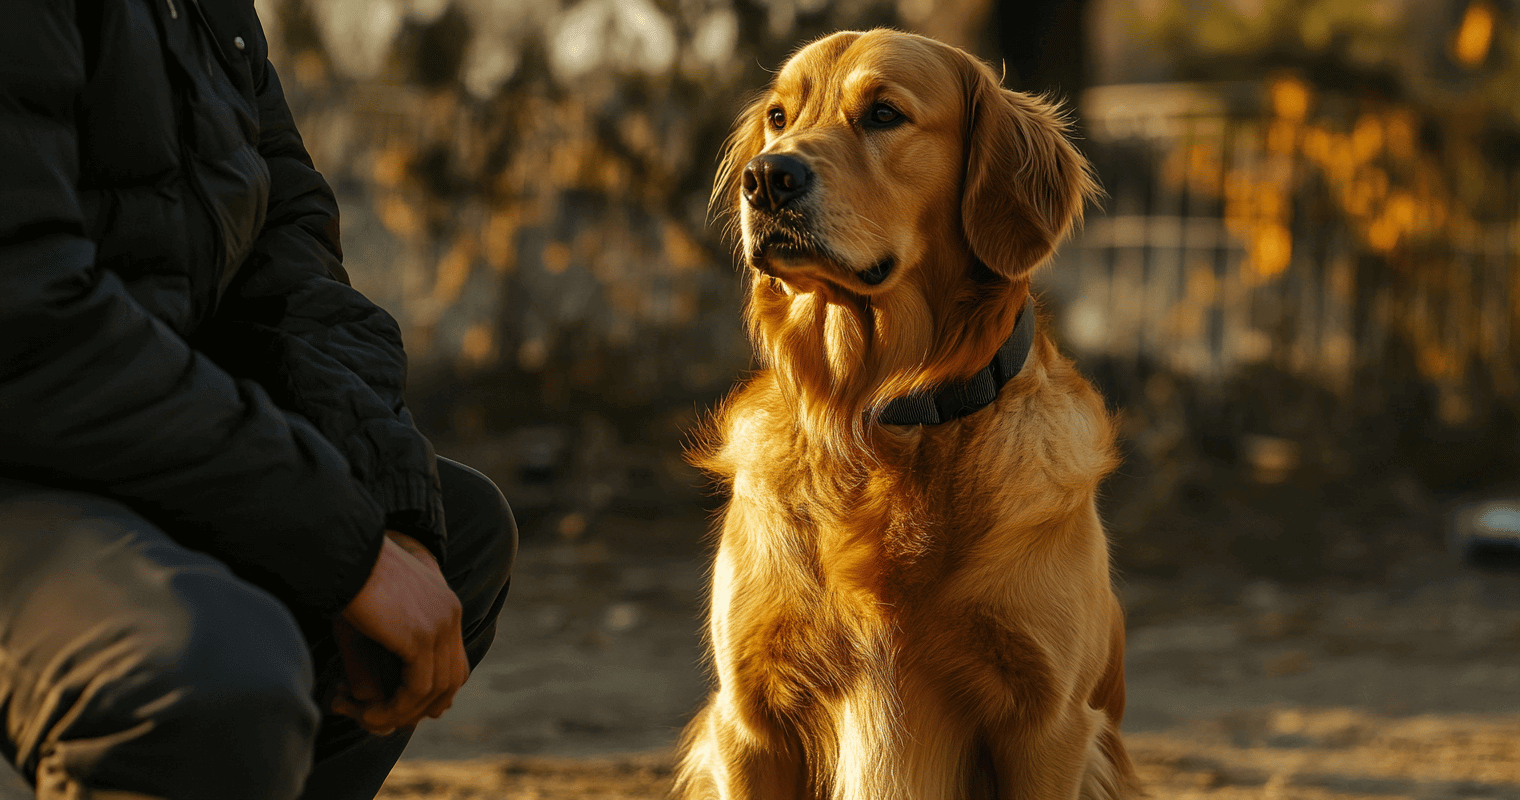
pixel 1300 297
pixel 1299 293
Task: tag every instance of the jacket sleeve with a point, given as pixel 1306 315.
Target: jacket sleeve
pixel 99 396
pixel 291 321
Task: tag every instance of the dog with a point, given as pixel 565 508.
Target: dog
pixel 911 597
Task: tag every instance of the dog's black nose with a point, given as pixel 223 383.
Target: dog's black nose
pixel 771 181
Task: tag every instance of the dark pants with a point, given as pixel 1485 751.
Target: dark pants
pixel 134 667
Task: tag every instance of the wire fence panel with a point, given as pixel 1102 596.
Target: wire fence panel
pixel 1270 228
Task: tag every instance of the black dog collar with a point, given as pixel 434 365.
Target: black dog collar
pixel 959 399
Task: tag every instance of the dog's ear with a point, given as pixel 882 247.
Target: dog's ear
pixel 1025 182
pixel 744 143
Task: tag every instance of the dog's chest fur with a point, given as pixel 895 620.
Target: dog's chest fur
pixel 826 562
pixel 868 523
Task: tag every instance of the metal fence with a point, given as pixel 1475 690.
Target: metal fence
pixel 1344 241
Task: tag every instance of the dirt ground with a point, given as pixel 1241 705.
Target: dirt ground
pixel 1236 690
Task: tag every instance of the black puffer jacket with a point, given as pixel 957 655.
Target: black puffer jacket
pixel 176 329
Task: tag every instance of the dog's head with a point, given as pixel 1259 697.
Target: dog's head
pixel 892 200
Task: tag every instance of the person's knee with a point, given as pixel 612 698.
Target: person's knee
pixel 226 681
pixel 482 530
pixel 143 665
pixel 482 546
pixel 496 515
pixel 238 645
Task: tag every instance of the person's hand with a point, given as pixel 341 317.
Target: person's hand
pixel 408 609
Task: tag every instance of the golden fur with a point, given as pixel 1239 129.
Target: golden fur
pixel 906 612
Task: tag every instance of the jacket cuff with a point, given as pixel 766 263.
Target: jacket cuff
pixel 349 584
pixel 413 505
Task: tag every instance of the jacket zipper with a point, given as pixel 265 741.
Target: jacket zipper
pixel 173 12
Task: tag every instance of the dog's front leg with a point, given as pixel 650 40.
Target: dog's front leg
pixel 739 747
pixel 725 761
pixel 1065 761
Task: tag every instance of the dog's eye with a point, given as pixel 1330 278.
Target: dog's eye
pixel 777 118
pixel 883 115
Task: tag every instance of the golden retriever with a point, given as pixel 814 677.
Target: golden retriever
pixel 921 610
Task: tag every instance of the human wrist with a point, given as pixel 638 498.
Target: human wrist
pixel 412 546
